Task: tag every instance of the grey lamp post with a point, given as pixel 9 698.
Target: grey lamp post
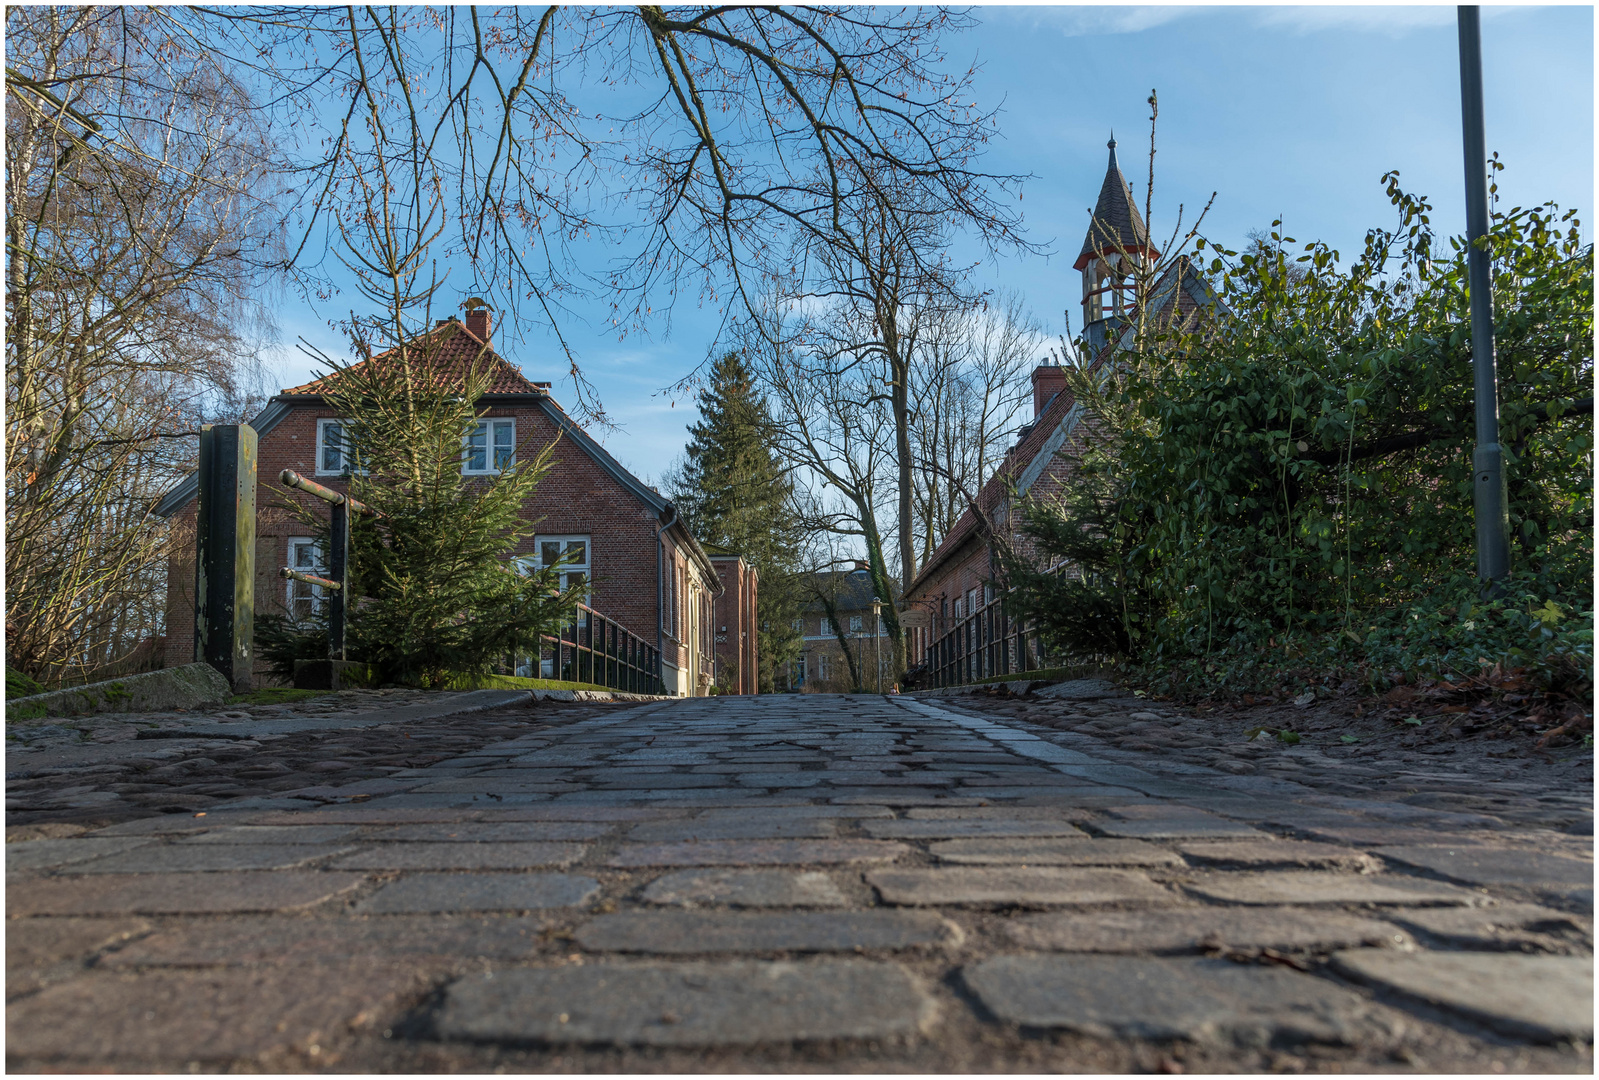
pixel 877 639
pixel 1493 541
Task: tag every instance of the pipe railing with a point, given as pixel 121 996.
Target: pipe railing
pixel 594 649
pixel 984 644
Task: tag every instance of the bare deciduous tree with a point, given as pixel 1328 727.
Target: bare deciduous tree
pixel 138 217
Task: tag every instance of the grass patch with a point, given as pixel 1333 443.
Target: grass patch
pixel 516 682
pixel 1058 674
pixel 275 695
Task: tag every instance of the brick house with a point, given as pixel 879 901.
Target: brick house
pixel 643 568
pixel 957 581
pixel 821 667
pixel 737 631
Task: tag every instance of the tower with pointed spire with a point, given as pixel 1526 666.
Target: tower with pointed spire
pixel 1117 246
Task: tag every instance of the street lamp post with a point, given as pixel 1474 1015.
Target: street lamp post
pixel 1493 527
pixel 877 638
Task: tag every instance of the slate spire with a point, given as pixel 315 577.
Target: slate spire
pixel 1116 219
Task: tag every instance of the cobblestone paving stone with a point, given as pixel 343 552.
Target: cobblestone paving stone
pixel 767 884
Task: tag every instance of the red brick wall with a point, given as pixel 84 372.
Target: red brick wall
pixel 737 631
pixel 576 497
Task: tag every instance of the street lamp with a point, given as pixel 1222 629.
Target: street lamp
pixel 877 620
pixel 1493 541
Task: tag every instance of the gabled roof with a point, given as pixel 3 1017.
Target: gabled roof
pixel 852 590
pixel 1116 225
pixel 446 352
pixel 1022 466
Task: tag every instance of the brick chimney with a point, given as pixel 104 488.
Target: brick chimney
pixel 1048 380
pixel 480 320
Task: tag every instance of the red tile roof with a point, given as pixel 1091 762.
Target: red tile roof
pixel 453 348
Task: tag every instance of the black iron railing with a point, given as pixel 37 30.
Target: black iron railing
pixel 594 649
pixel 986 643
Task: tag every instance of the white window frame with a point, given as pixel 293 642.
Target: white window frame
pixel 821 665
pixel 489 427
pixel 536 560
pixel 321 442
pixel 854 624
pixel 318 567
pixel 823 627
pixel 799 624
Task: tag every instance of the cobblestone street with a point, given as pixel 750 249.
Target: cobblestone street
pixel 783 883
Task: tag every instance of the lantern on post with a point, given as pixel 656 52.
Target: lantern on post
pixel 877 637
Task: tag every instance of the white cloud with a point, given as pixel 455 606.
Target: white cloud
pixel 1373 18
pixel 1097 21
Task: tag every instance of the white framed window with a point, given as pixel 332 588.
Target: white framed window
pixel 971 599
pixel 332 449
pixel 799 624
pixel 821 665
pixel 576 550
pixel 854 624
pixel 823 626
pixel 305 600
pixel 490 448
pixel 960 606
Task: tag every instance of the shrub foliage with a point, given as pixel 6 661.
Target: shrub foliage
pixel 1295 479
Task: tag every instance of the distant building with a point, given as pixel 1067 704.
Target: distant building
pixel 643 568
pixel 821 666
pixel 957 582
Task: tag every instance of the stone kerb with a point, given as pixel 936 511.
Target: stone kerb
pixel 192 686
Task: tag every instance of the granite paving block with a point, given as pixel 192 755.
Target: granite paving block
pixel 1288 853
pixel 925 830
pixel 1190 929
pixel 272 834
pixel 1052 851
pixel 755 827
pixel 233 941
pixel 176 894
pixel 737 1003
pixel 480 892
pixel 1493 866
pixel 367 815
pixel 35 943
pixel 477 832
pixel 1016 885
pixel 999 813
pixel 746 888
pixel 1204 1000
pixel 1161 821
pixel 692 932
pixel 1312 887
pixel 170 1017
pixel 167 824
pixel 1486 926
pixel 794 812
pixel 44 854
pixel 757 852
pixel 563 812
pixel 426 856
pixel 186 858
pixel 1540 997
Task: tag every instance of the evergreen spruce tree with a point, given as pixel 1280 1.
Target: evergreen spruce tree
pixel 736 497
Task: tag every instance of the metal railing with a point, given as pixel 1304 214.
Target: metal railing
pixel 594 649
pixel 986 643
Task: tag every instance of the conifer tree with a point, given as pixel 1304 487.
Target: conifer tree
pixel 736 497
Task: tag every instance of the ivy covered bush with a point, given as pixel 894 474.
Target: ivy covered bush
pixel 1290 486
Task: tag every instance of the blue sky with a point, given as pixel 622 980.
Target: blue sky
pixel 1283 112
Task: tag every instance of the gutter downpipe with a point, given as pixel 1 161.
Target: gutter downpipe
pixel 669 518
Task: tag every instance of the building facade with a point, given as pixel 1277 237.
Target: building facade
pixel 842 609
pixel 959 580
pixel 642 567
